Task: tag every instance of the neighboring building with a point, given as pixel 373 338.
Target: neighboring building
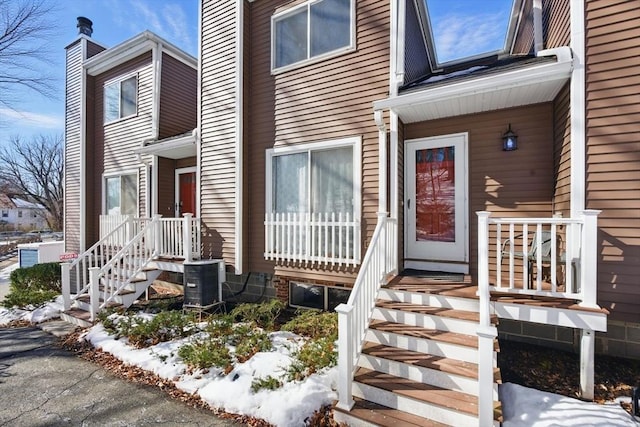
pixel 330 160
pixel 21 215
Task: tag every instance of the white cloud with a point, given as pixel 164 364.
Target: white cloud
pixel 459 36
pixel 177 24
pixel 149 15
pixel 26 118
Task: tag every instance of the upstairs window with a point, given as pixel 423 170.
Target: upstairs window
pixel 315 29
pixel 5 213
pixel 121 196
pixel 120 99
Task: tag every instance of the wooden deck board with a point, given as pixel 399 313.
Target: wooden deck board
pixel 420 332
pixel 388 417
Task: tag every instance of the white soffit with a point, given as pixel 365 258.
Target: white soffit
pixel 176 148
pixel 524 86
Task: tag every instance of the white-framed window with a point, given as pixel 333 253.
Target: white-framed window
pixel 19 214
pixel 313 30
pixel 5 213
pixel 318 297
pixel 120 98
pixel 313 202
pixel 120 194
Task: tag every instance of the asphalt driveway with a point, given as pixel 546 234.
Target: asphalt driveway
pixel 41 385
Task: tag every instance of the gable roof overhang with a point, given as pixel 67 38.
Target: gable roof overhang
pixel 132 48
pixel 516 87
pixel 175 147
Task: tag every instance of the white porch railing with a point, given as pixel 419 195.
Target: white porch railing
pixel 176 237
pixel 171 237
pixel 312 238
pixel 531 245
pixel 545 256
pixel 379 262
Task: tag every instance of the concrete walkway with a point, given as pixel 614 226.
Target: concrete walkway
pixel 41 385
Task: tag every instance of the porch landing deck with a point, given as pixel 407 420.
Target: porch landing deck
pixel 465 288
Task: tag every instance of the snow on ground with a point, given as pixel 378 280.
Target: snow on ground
pixel 527 407
pixel 295 401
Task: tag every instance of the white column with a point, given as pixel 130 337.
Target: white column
pixel 345 356
pixel 186 237
pixel 587 347
pixel 94 291
pixel 66 285
pixel 589 259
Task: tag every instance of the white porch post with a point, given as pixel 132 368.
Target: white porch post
pixel 345 356
pixel 587 350
pixel 66 285
pixel 186 236
pixel 486 332
pixel 157 235
pixel 94 291
pixel 589 262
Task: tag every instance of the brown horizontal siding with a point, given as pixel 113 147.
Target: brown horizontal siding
pixel 326 100
pixel 613 144
pixel 562 151
pixel 523 42
pixel 556 21
pixel 217 130
pixel 516 183
pixel 178 97
pixel 166 187
pixel 115 142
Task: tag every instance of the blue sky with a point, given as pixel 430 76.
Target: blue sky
pixel 461 28
pixel 114 21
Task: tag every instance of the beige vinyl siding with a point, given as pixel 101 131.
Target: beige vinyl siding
pixel 218 129
pixel 114 142
pixel 321 101
pixel 523 43
pixel 178 97
pixel 507 183
pixel 556 21
pixel 562 151
pixel 72 160
pixel 613 147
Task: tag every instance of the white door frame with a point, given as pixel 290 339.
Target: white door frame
pixel 449 257
pixel 176 202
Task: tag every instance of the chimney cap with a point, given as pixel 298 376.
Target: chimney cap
pixel 85 26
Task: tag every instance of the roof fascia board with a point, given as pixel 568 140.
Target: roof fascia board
pixel 544 72
pixel 184 141
pixel 131 48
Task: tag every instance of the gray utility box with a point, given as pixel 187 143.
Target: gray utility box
pixel 203 282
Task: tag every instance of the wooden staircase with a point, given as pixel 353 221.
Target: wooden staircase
pixel 418 365
pixel 79 313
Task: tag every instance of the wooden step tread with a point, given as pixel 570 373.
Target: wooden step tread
pixel 387 417
pixel 430 361
pixel 420 332
pixel 79 314
pixel 87 299
pixel 420 285
pixel 450 313
pixel 427 393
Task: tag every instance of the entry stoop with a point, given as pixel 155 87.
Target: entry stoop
pixel 418 364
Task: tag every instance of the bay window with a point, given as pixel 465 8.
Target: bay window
pixel 313 202
pixel 315 29
pixel 121 194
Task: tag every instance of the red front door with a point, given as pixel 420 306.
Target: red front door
pixel 187 193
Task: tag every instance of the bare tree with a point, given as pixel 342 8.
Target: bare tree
pixel 25 29
pixel 35 169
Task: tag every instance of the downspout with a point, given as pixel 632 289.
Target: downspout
pixel 578 109
pixel 382 161
pixel 396 54
pixel 198 130
pixel 239 136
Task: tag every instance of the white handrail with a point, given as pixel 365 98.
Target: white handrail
pixel 379 261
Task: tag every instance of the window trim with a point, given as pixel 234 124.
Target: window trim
pixel 106 176
pixel 325 294
pixel 310 59
pixel 119 80
pixel 354 142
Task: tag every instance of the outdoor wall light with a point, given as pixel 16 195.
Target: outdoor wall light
pixel 509 140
